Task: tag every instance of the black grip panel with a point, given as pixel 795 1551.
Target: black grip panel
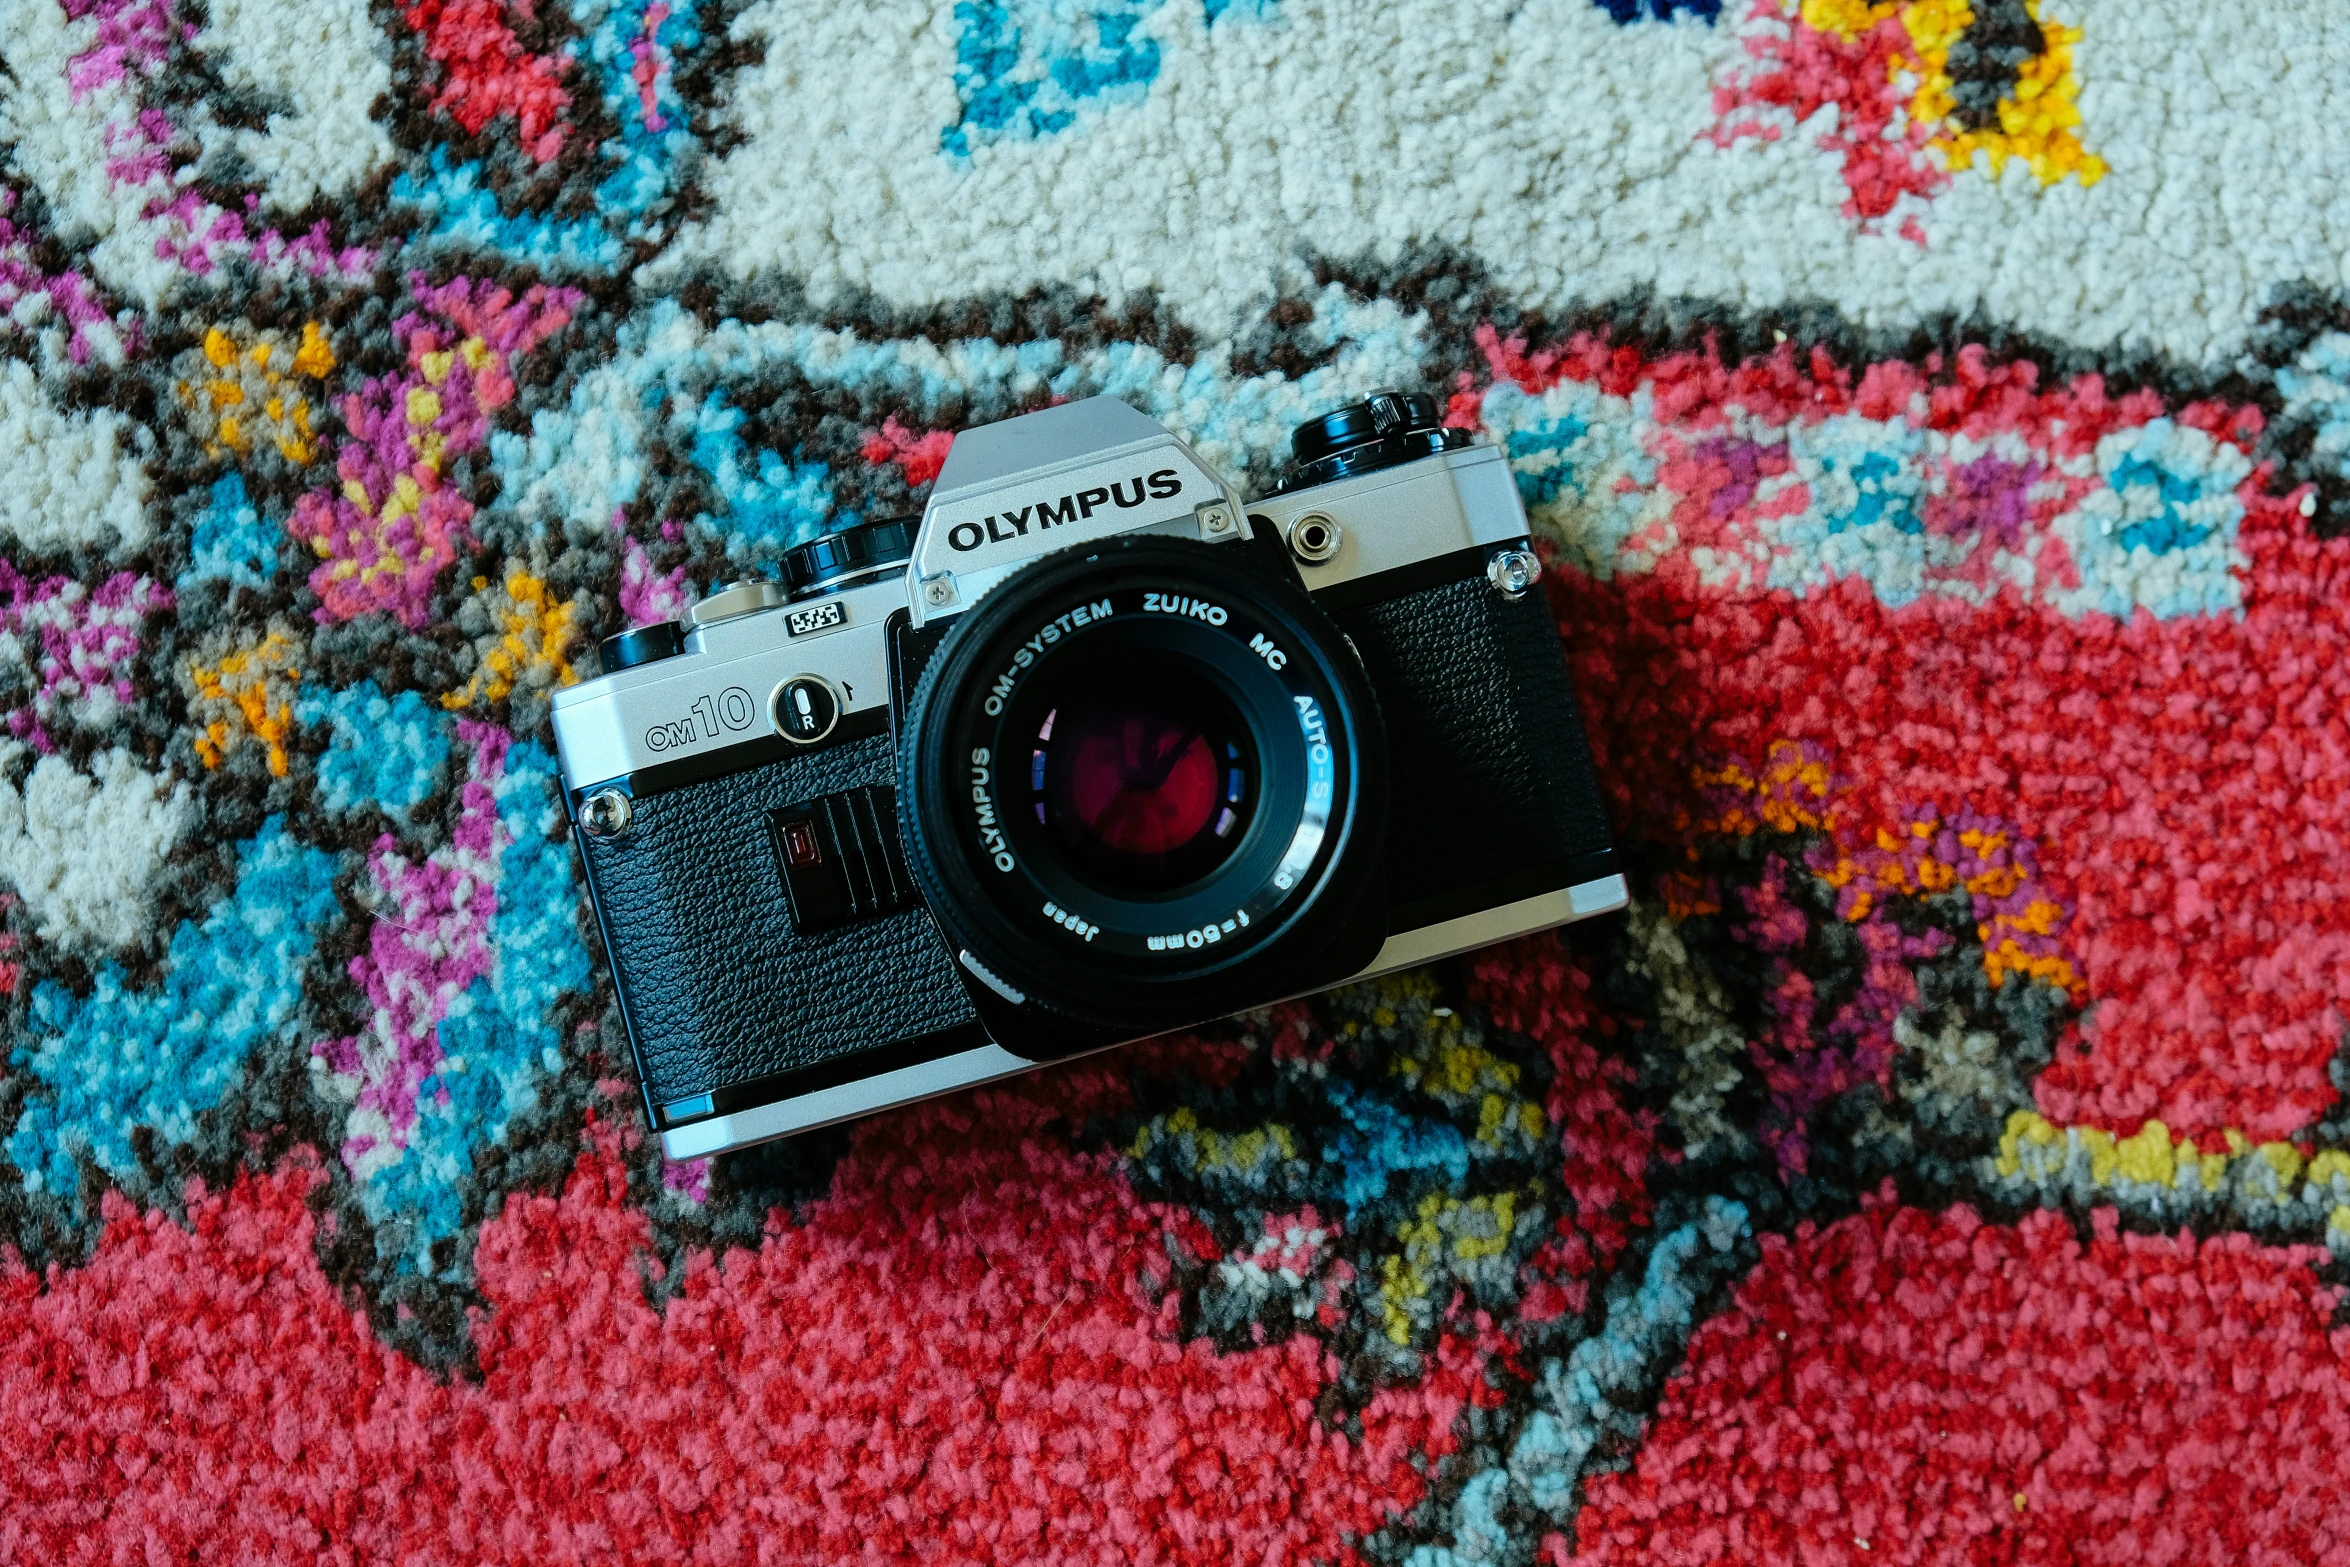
pixel 718 987
pixel 1495 797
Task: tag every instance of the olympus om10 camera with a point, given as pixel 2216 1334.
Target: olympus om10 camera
pixel 1092 751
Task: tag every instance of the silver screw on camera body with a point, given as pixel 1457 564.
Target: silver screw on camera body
pixel 1314 538
pixel 606 813
pixel 1514 572
pixel 1215 518
pixel 938 590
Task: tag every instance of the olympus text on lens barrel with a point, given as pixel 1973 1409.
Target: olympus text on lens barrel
pixel 1091 750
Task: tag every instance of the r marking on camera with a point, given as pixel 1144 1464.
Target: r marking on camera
pixel 1004 526
pixel 991 836
pixel 1046 635
pixel 1076 924
pixel 1177 604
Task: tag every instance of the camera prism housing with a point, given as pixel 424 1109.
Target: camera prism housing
pixel 1094 751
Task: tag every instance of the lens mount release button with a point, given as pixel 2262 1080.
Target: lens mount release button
pixel 804 709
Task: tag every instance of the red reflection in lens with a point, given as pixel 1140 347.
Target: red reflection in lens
pixel 1141 783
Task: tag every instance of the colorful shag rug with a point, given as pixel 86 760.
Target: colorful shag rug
pixel 1937 417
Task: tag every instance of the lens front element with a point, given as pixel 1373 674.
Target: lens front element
pixel 1143 777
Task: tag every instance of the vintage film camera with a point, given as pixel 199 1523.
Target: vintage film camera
pixel 1094 751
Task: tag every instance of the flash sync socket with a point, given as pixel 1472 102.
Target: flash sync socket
pixel 1314 538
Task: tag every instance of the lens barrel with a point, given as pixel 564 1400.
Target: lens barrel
pixel 1384 429
pixel 1144 783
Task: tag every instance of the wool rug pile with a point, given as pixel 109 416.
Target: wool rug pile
pixel 1936 418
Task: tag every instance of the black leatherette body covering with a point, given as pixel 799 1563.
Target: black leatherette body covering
pixel 1492 777
pixel 718 987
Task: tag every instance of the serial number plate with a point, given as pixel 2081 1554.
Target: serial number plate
pixel 814 617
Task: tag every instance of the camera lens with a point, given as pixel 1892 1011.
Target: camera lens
pixel 1384 429
pixel 846 556
pixel 1143 782
pixel 1143 775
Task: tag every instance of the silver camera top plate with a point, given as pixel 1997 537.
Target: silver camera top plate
pixel 1401 516
pixel 1053 479
pixel 722 690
